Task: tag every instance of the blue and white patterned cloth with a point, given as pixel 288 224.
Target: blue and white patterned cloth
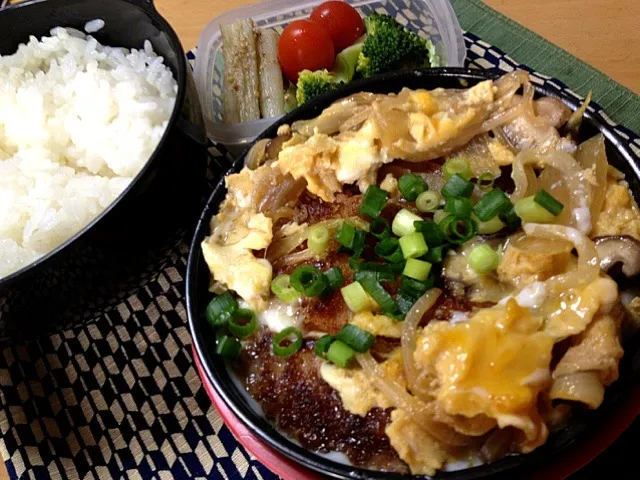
pixel 121 398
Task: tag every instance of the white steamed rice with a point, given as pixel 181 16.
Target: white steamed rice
pixel 78 120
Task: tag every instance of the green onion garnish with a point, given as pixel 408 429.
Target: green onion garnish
pixel 403 223
pixel 546 200
pixel 350 237
pixel 490 227
pixel 404 303
pixel 428 201
pixel 483 259
pixel 436 254
pixel 340 354
pixel 417 269
pixel 530 212
pixel 318 239
pixel 458 230
pixel 389 249
pixel 459 166
pixel 358 339
pixel 356 298
pixel 373 201
pixel 228 347
pixel 431 233
pixel 412 288
pixel 243 323
pixel 281 288
pixel 308 280
pixel 491 205
pixel 283 345
pixel 457 186
pixel 370 284
pixel 460 207
pixel 413 245
pixel 439 216
pixel 485 181
pixel 411 185
pixel 334 277
pixel 379 228
pixel 322 345
pixel 511 218
pixel 385 268
pixel 220 309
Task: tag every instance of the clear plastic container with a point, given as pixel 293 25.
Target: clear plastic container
pixel 434 19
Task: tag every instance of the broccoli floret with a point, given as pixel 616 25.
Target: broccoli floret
pixel 312 84
pixel 390 46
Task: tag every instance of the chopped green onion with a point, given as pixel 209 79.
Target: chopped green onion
pixel 403 223
pixel 485 181
pixel 431 233
pixel 370 284
pixel 220 309
pixel 379 228
pixel 511 218
pixel 413 245
pixel 358 339
pixel 412 288
pixel 228 347
pixel 340 354
pixel 436 254
pixel 322 345
pixel 530 212
pixel 492 204
pixel 389 249
pixel 334 277
pixel 411 185
pixel 457 186
pixel 417 269
pixel 428 201
pixel 350 237
pixel 373 201
pixel 243 323
pixel 439 216
pixel 356 297
pixel 459 166
pixel 460 207
pixel 546 200
pixel 385 268
pixel 483 259
pixel 382 277
pixel 490 227
pixel 283 345
pixel 308 280
pixel 458 230
pixel 318 239
pixel 404 303
pixel 281 288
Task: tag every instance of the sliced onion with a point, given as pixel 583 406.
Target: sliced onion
pixel 408 339
pixel 257 155
pixel 583 387
pixel 331 120
pixel 417 410
pixel 568 173
pixel 592 153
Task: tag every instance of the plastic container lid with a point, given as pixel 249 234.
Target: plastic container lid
pixel 434 19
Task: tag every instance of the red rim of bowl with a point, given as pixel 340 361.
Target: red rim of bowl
pixel 577 457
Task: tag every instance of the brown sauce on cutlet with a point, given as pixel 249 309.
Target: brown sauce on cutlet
pixel 294 396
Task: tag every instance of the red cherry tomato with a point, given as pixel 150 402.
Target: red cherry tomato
pixel 341 20
pixel 304 45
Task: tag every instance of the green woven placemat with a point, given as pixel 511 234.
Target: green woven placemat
pixel 529 48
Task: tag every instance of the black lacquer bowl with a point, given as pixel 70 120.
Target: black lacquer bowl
pixel 130 240
pixel 220 376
